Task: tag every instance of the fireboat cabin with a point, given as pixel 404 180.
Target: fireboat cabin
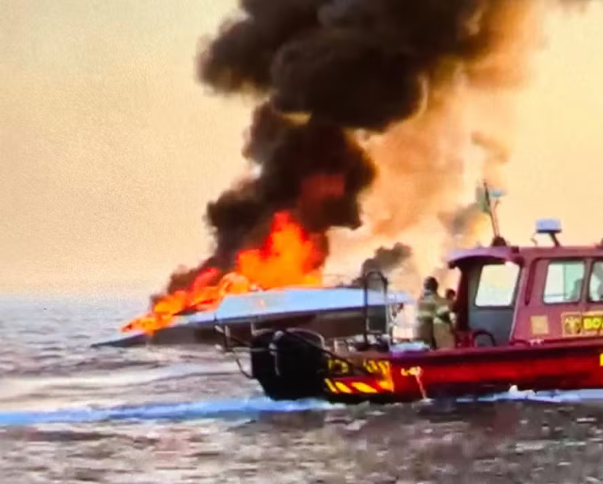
pixel 526 295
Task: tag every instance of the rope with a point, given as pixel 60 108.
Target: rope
pixel 418 373
pixel 244 372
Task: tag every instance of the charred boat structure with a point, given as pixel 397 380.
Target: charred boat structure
pixel 330 313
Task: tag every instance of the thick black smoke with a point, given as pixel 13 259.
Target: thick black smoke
pixel 289 157
pixel 241 55
pixel 384 260
pixel 358 63
pixel 344 64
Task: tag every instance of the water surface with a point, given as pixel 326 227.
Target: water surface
pixel 69 414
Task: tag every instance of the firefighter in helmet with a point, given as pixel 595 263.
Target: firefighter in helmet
pixel 435 326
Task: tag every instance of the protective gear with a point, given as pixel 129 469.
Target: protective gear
pixel 443 326
pixel 426 311
pixel 434 318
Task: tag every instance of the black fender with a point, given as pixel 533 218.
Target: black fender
pixel 289 364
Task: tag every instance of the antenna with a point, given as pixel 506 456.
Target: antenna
pixel 490 209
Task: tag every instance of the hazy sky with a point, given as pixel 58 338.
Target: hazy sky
pixel 109 148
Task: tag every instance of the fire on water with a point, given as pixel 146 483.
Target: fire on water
pixel 285 258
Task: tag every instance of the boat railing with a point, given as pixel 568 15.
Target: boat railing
pixel 373 281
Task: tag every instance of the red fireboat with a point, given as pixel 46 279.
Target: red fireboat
pixel 528 317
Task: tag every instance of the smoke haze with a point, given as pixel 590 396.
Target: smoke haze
pixel 429 83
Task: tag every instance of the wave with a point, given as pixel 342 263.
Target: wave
pixel 13 387
pixel 237 408
pixel 231 408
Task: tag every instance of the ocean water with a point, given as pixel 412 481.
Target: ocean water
pixel 71 414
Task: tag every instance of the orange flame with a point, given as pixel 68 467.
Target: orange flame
pixel 287 257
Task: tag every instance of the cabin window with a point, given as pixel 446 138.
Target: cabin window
pixel 496 287
pixel 595 284
pixel 563 282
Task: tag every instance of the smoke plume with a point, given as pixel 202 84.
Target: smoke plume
pixel 357 63
pixel 416 76
pixel 384 260
pixel 313 168
pixel 352 64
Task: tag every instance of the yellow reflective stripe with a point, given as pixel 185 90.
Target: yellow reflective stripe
pixel 363 387
pixel 387 385
pixel 331 386
pixel 342 388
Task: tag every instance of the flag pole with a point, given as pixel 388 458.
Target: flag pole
pixel 491 210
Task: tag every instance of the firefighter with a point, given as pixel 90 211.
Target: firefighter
pixel 444 324
pixel 434 317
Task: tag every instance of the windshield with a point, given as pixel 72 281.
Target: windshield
pixel 563 282
pixel 595 286
pixel 497 284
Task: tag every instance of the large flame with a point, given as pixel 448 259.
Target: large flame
pixel 288 257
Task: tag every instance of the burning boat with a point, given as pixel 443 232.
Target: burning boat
pixel 334 313
pixel 527 316
pixel 273 286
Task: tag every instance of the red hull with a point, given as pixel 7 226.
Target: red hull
pixel 475 371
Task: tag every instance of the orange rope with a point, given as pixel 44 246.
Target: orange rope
pixel 417 374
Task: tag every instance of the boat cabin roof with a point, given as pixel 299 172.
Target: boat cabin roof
pixel 521 255
pixel 500 251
